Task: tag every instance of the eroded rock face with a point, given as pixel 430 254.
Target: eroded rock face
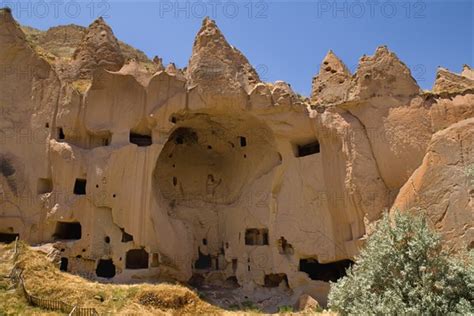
pixel 444 184
pixel 219 73
pixel 145 172
pixel 332 83
pixel 451 83
pixel 98 49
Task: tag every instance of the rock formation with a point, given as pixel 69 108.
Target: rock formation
pixel 141 172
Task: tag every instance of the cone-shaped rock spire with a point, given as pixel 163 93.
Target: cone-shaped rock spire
pixel 332 82
pixel 383 74
pixel 99 48
pixel 217 67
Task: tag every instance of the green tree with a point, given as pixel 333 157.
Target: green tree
pixel 404 270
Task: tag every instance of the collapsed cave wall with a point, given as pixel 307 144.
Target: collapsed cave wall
pixel 210 173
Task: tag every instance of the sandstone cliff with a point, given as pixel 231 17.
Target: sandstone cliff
pixel 141 172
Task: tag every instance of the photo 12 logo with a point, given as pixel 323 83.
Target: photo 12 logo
pixel 231 9
pixel 414 9
pixel 55 9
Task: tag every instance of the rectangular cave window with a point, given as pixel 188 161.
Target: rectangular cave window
pixel 308 149
pixel 136 259
pixel 256 236
pixel 140 140
pixel 44 186
pixel 8 237
pixel 61 135
pixel 243 141
pixel 67 230
pixel 80 186
pixel 324 271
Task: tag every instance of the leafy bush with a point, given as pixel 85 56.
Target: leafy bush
pixel 403 270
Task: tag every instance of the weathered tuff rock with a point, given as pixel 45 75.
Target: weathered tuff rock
pixel 144 172
pixel 98 49
pixel 448 82
pixel 219 74
pixel 444 184
pixel 332 83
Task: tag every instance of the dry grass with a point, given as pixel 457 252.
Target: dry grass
pixel 44 280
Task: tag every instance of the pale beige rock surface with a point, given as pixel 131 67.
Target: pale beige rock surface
pixel 444 184
pixel 208 175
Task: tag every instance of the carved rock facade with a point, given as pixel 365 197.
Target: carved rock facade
pixel 143 172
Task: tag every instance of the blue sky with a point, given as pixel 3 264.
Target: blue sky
pixel 283 40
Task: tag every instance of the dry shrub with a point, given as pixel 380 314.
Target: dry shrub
pixel 167 297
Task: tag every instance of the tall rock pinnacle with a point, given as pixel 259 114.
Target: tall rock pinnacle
pixel 332 82
pixel 99 48
pixel 216 66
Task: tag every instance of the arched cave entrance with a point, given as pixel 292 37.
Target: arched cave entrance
pixel 8 237
pixel 324 271
pixel 105 268
pixel 212 157
pixel 209 160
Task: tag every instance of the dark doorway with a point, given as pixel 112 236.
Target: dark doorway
pixel 136 259
pixel 61 135
pixel 66 230
pixel 308 149
pixel 8 237
pixel 324 272
pixel 203 261
pixel 140 140
pixel 80 186
pixel 105 268
pixel 64 263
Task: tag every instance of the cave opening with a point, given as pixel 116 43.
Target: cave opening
pixel 308 149
pixel 68 231
pixel 324 271
pixel 105 268
pixel 126 237
pixel 140 140
pixel 80 187
pixel 44 186
pixel 205 145
pixel 61 135
pixel 136 259
pixel 203 262
pixel 6 167
pixel 8 237
pixel 256 236
pixel 63 264
pixel 274 279
pixel 243 141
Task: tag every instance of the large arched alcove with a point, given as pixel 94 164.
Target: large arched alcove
pixel 212 157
